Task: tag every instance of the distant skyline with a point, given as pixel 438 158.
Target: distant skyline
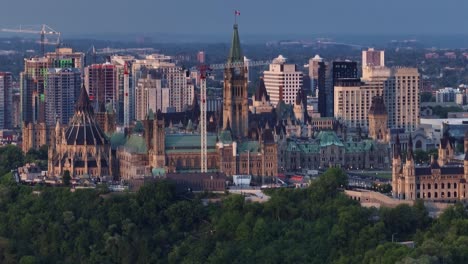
pixel 214 17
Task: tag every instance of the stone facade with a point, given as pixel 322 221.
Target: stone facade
pixel 326 149
pixel 81 148
pixel 36 135
pixel 444 180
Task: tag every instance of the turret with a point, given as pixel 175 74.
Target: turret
pixel 299 107
pixel 396 166
pixel 465 162
pixel 446 150
pixel 409 181
pixel 378 119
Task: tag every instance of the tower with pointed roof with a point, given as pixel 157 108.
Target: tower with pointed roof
pixel 409 183
pixel 299 106
pixel 446 149
pixel 378 118
pixel 235 104
pixel 396 166
pixel 261 100
pixel 82 148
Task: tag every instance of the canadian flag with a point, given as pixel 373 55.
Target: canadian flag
pixel 237 12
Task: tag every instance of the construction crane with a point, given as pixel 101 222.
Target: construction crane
pixel 43 30
pixel 204 71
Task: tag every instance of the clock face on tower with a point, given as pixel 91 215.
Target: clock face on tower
pixel 237 71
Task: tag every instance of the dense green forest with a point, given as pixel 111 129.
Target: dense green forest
pixel 315 225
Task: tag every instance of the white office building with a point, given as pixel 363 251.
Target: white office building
pixel 282 81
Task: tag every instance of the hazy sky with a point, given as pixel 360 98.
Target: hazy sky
pixel 257 16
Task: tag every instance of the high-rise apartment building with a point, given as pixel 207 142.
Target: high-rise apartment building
pixel 62 90
pixel 64 57
pixel 399 88
pixel 401 96
pixel 101 82
pixel 125 106
pixel 373 58
pixel 282 81
pixel 149 95
pixel 353 99
pixel 34 81
pixel 6 94
pixel 180 87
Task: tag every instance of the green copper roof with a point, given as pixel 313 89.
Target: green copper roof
pixel 188 143
pixel 117 139
pixel 225 137
pixel 249 146
pixel 136 144
pixel 235 54
pixel 328 138
pixel 158 171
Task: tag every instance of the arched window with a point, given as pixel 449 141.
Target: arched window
pixel 448 194
pixel 429 195
pixel 418 144
pixel 442 194
pixel 443 186
pixel 448 185
pixel 435 186
pixel 455 194
pixel 428 186
pixel 454 185
pixel 435 195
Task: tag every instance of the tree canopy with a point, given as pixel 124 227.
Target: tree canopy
pixel 314 225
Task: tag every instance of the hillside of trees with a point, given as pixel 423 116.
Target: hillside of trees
pixel 315 225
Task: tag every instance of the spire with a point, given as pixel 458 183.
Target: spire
pixel 410 154
pixel 228 125
pixel 235 54
pixel 397 148
pixel 299 97
pixel 83 104
pixel 261 91
pixel 377 106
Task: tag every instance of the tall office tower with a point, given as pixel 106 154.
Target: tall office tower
pixel 401 96
pixel 341 71
pixel 100 82
pixel 32 90
pixel 16 109
pixel 320 80
pixel 6 94
pixel 201 57
pixel 125 106
pixel 62 91
pixel 317 74
pixel 235 104
pixel 148 94
pixel 282 81
pixel 373 58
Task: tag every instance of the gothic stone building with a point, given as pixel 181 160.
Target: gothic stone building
pixel 444 180
pixel 81 148
pixel 326 149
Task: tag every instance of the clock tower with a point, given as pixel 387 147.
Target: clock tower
pixel 235 104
